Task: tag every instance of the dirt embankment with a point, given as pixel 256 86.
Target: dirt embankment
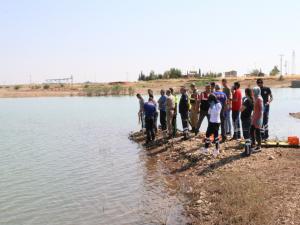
pixel 127 88
pixel 261 189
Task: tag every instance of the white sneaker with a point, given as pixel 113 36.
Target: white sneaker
pixel 216 152
pixel 204 150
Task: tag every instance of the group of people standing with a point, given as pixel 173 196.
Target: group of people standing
pixel 222 107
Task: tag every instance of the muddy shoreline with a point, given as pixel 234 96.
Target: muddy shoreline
pixel 222 190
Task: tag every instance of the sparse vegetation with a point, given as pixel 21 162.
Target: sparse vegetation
pixel 46 86
pixel 131 91
pixel 17 87
pixel 238 199
pixel 275 71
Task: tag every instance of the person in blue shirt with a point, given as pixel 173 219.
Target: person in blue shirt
pixel 162 110
pixel 222 98
pixel 150 110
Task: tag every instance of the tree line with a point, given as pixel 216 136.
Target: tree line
pixel 173 73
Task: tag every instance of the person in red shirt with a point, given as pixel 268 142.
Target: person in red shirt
pixel 236 106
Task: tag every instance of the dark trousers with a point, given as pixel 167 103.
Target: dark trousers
pixel 163 119
pixel 150 128
pixel 155 121
pixel 202 115
pixel 174 124
pixel 265 127
pixel 223 130
pixel 185 122
pixel 213 128
pixel 246 125
pixel 142 118
pixel 236 124
pixel 255 136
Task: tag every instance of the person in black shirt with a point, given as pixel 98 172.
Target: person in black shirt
pixel 184 112
pixel 246 112
pixel 267 96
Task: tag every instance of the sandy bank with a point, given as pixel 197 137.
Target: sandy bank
pixel 128 88
pixel 230 189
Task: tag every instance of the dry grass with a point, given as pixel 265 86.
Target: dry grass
pixel 238 199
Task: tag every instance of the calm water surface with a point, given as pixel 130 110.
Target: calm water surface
pixel 69 161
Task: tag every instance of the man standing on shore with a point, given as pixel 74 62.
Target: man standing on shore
pixel 150 109
pixel 162 101
pixel 204 106
pixel 141 110
pixel 151 95
pixel 174 122
pixel 184 112
pixel 170 103
pixel 194 107
pixel 236 106
pixel 222 98
pixel 227 109
pixel 267 96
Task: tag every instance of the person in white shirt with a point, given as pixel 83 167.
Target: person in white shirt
pixel 214 124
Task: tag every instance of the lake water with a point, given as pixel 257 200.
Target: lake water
pixel 69 161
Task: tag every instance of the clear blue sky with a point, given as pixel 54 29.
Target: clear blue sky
pixel 112 40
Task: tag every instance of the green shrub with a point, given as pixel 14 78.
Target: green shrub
pixel 116 90
pixel 17 87
pixel 46 86
pixel 131 91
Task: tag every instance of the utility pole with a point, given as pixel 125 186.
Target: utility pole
pixel 293 63
pixel 281 58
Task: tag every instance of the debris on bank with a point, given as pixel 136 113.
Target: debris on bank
pixel 222 189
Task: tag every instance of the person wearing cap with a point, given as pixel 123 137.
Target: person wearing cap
pixel 236 107
pixel 267 96
pixel 184 112
pixel 227 109
pixel 194 107
pixel 162 110
pixel 174 120
pixel 204 106
pixel 170 106
pixel 222 98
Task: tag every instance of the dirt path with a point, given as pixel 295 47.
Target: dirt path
pixel 230 189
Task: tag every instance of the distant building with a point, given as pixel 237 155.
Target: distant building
pixel 192 74
pixel 232 73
